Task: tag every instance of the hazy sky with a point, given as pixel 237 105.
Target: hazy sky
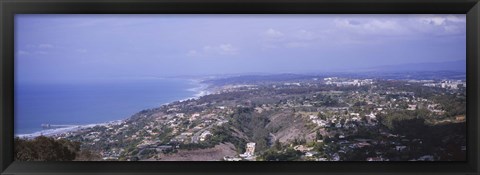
pixel 85 47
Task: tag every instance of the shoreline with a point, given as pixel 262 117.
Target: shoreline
pixel 59 131
pixel 200 90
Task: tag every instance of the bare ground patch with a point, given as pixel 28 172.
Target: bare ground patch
pixel 210 154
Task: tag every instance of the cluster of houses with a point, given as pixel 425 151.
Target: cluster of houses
pixel 347 82
pixel 447 84
pixel 248 155
pixel 112 154
pixel 195 126
pixel 307 151
pixel 348 120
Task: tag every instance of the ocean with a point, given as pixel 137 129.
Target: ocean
pixel 89 103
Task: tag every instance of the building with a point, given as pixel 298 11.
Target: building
pixel 310 153
pixel 187 134
pixel 204 135
pixel 400 148
pixel 250 149
pixel 194 117
pixel 229 158
pixel 320 122
pixel 249 152
pixel 376 159
pixel 302 148
pixel 412 107
pixel 338 125
pixel 372 116
pixel 179 138
pixel 426 158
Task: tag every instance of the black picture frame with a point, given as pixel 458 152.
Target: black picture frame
pixel 8 9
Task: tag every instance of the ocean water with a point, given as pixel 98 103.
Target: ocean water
pixel 88 103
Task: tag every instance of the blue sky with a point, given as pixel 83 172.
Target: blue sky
pixel 59 48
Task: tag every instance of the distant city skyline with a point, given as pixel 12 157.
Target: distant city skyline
pixel 76 48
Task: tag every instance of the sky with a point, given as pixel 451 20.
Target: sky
pixel 60 48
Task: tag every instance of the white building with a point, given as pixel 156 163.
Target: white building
pixel 372 116
pixel 204 135
pixel 250 151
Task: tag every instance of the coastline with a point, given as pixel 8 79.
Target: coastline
pixel 60 131
pixel 199 91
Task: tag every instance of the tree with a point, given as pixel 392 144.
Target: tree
pixel 319 136
pixel 85 155
pixel 277 145
pixel 45 149
pixel 288 155
pixel 337 135
pixel 321 116
pixel 327 139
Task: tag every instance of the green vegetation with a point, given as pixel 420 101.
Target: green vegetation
pixel 48 149
pixel 253 125
pixel 288 155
